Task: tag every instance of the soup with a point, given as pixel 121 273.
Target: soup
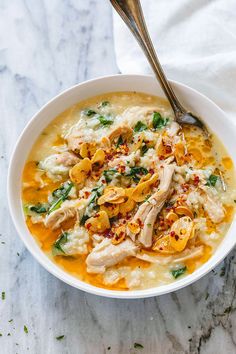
pixel 116 193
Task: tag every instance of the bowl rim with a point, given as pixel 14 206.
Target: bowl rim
pixel 73 281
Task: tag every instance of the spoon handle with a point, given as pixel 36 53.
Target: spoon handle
pixel 131 13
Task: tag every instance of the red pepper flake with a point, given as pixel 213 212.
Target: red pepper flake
pixel 122 169
pixel 168 149
pixel 140 222
pixel 108 233
pixel 185 187
pixel 88 225
pixel 161 157
pixel 196 180
pixel 151 171
pixel 172 234
pixel 176 237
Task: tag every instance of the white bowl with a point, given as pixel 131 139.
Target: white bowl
pixel 193 100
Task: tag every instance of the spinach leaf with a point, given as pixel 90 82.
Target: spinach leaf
pixel 63 190
pixel 108 174
pixel 158 121
pixel 105 103
pixel 178 272
pixel 105 120
pixel 96 193
pixel 92 203
pixel 140 126
pixel 60 195
pixel 39 208
pixel 84 219
pixel 119 141
pixel 144 149
pixel 136 172
pixel 212 180
pixel 57 248
pixel 89 112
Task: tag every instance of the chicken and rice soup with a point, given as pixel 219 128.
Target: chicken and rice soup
pixel 119 195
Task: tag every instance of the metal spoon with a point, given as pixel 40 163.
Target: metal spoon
pixel 131 13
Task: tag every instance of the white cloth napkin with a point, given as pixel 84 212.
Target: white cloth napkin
pixel 196 44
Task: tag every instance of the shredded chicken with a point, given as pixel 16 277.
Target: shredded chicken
pixel 181 257
pixel 58 165
pixel 67 159
pixel 105 255
pixel 148 211
pixel 213 206
pixel 124 131
pixel 173 129
pixel 68 210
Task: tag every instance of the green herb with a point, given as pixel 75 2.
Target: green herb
pixel 136 172
pixel 60 195
pixel 109 174
pixel 0 334
pixel 89 112
pixel 10 320
pixel 222 271
pixel 92 203
pixel 18 254
pixel 207 295
pixel 8 334
pixel 234 201
pixel 228 309
pixel 39 208
pixel 138 346
pixel 113 219
pixel 60 337
pixel 119 141
pixel 3 295
pixel 57 248
pixel 105 103
pixel 63 190
pixel 144 149
pixel 84 219
pixel 26 329
pixel 178 272
pixel 108 348
pixel 158 121
pixel 96 193
pixel 105 120
pixel 212 180
pixel 140 126
pixel 149 225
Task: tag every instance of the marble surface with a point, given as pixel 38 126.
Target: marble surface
pixel 45 47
